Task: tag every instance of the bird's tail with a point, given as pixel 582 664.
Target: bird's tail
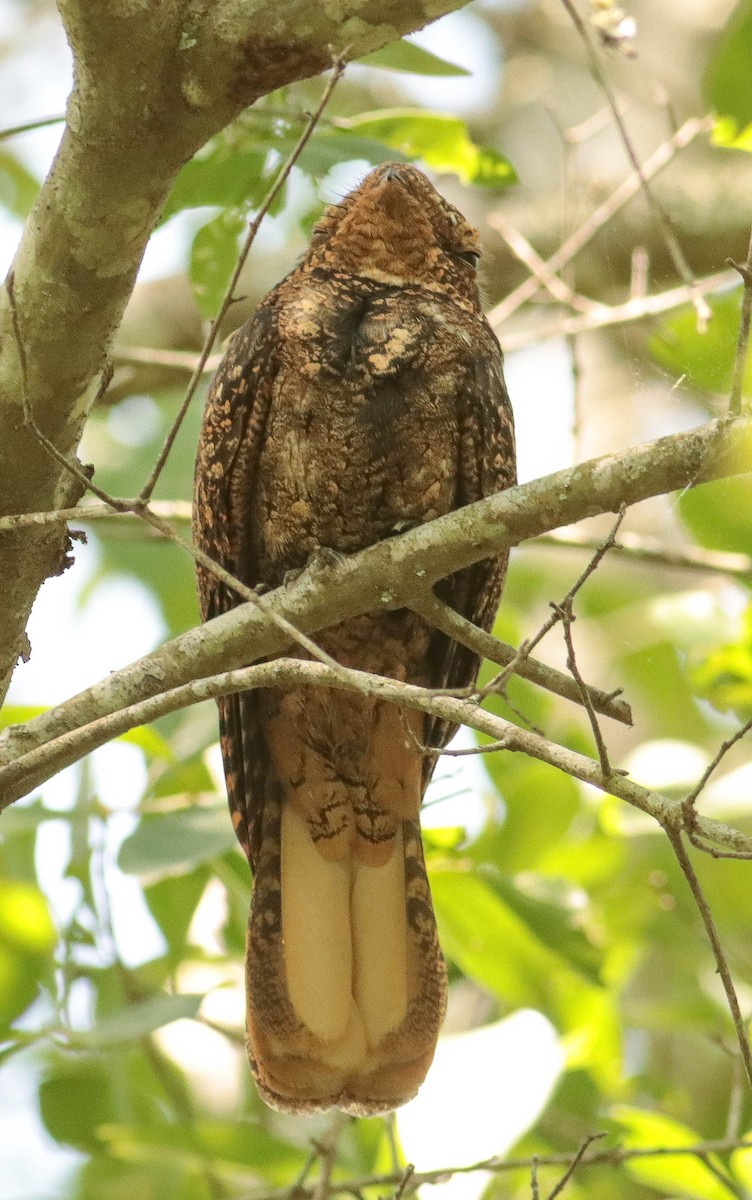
pixel 345 979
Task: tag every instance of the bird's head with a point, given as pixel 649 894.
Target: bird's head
pixel 397 229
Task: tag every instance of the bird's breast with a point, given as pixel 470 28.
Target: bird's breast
pixel 362 438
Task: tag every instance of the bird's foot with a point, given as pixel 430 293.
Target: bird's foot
pixel 402 527
pixel 319 561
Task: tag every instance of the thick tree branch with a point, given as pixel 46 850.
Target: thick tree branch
pixel 148 92
pixel 383 576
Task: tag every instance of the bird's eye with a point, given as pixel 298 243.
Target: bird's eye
pixel 469 256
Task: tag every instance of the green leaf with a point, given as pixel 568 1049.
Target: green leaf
pixel 726 82
pixel 336 145
pixel 147 739
pixel 76 1100
pixel 214 254
pixel 726 133
pixel 540 804
pixel 191 776
pixel 172 902
pixel 228 1144
pixel 27 939
pixel 18 187
pixel 443 142
pixel 719 514
pixel 102 1177
pixel 25 922
pixel 741 1164
pixel 487 940
pixel 681 1175
pixel 19 714
pixel 552 923
pixel 227 172
pixel 152 743
pixel 136 1021
pixel 725 676
pixel 172 843
pixel 408 56
pixel 706 357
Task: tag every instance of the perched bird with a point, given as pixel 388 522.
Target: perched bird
pixel 365 396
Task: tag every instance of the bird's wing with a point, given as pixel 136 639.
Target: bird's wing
pixel 487 465
pixel 230 444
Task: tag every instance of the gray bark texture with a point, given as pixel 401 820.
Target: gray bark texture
pixel 152 82
pixel 384 577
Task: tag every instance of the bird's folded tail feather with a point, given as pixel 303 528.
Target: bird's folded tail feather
pixel 346 981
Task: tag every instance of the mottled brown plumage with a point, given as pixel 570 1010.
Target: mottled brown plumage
pixel 366 395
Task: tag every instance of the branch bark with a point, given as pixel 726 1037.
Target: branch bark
pixel 43 762
pixel 384 576
pixel 149 89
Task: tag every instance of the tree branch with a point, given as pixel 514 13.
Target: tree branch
pixel 69 746
pixel 382 578
pixel 133 119
pixel 651 550
pixel 600 217
pixel 444 618
pixel 636 308
pixel 677 842
pixel 611 1157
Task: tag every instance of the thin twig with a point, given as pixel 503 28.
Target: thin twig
pixel 601 215
pixel 740 362
pixel 614 1157
pixel 677 842
pixel 633 309
pixel 520 246
pixel 567 618
pixel 27 126
pixel 328 1146
pixel 169 510
pixel 651 550
pixel 390 1130
pixel 446 620
pixel 338 67
pixel 181 360
pixel 723 1177
pixel 499 681
pixel 672 244
pixel 723 749
pixel 534 1191
pixel 700 843
pixel 32 766
pixel 576 373
pixel 407 1175
pixel 594 1137
pixel 736 1099
pixel 465 751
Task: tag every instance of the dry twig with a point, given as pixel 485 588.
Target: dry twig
pixel 567 617
pixel 559 1188
pixel 613 1157
pixel 499 681
pixel 600 217
pixel 454 625
pixel 740 362
pixel 338 67
pixel 659 212
pixel 651 550
pixel 633 309
pixel 675 837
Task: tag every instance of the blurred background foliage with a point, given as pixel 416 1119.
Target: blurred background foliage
pixel 123 895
